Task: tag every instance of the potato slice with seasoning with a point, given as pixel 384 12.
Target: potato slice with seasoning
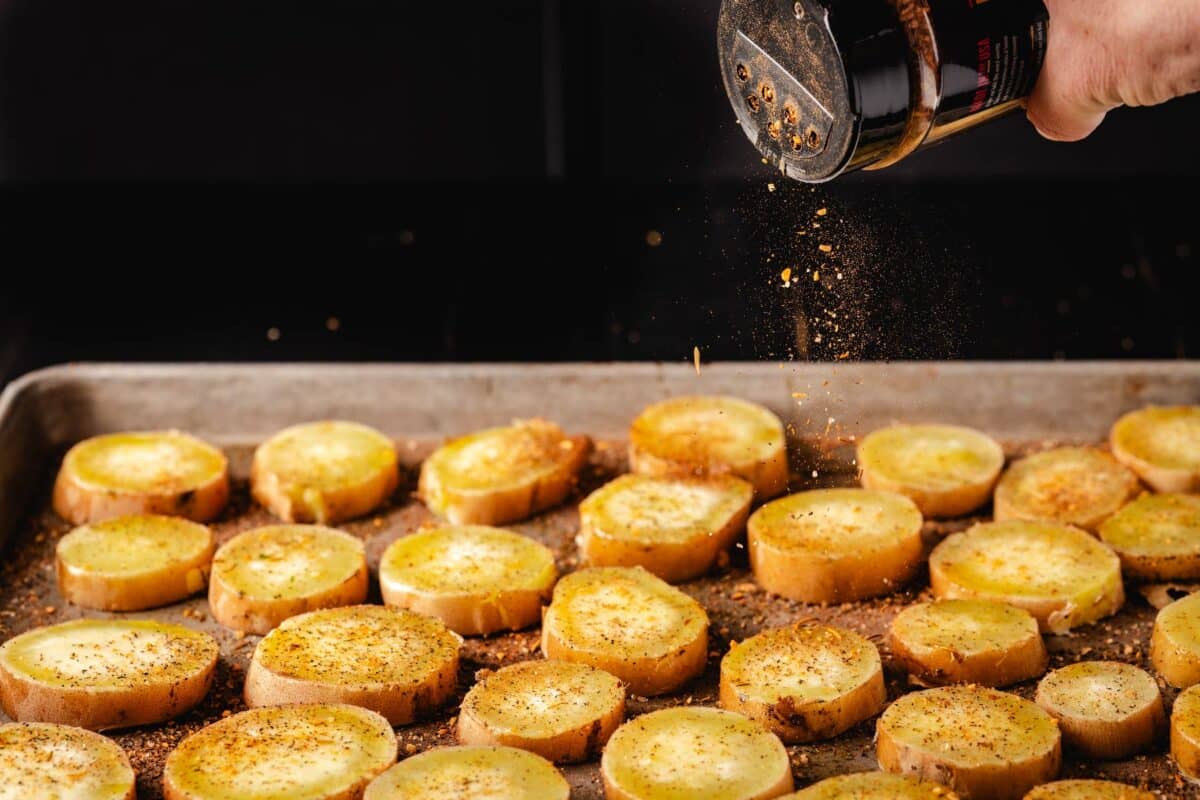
pixel 626 621
pixel 805 682
pixel 1185 734
pixel 691 751
pixel 947 470
pixel 492 773
pixel 561 710
pixel 133 563
pixel 324 472
pixel 477 580
pixel 1089 790
pixel 1162 445
pixel 1175 642
pixel 1059 574
pixel 1105 709
pixel 42 760
pixel 1157 537
pixel 1079 486
pixel 968 641
pixel 874 786
pixel 265 575
pixel 705 436
pixel 835 545
pixel 310 752
pixel 396 663
pixel 503 475
pixel 672 527
pixel 105 673
pixel 153 472
pixel 982 743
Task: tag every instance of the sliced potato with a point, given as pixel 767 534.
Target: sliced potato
pixel 477 580
pixel 324 472
pixel 835 545
pixel 560 710
pixel 396 663
pixel 946 470
pixel 310 752
pixel 152 472
pixel 1105 709
pixel 985 744
pixel 105 673
pixel 263 576
pixel 60 762
pixel 1079 486
pixel 480 773
pixel 626 621
pixel 1157 537
pixel 1058 573
pixel 673 527
pixel 1162 445
pixel 1185 733
pixel 503 475
pixel 874 786
pixel 1089 790
pixel 805 682
pixel 968 641
pixel 690 751
pixel 704 436
pixel 1175 643
pixel 134 562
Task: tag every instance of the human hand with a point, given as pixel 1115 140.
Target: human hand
pixel 1103 54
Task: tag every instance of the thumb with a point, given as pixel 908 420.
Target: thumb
pixel 1060 108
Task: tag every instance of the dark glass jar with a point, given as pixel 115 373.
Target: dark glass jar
pixel 825 86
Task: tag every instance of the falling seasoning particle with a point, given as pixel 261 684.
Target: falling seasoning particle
pixel 273 334
pixel 653 238
pixel 815 473
pixel 844 356
pixel 816 275
pixel 696 358
pixel 770 187
pixel 333 324
pixel 825 248
pixel 822 212
pixel 839 276
pixel 786 275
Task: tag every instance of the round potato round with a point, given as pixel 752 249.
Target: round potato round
pixel 1185 733
pixel 1162 445
pixel 1089 790
pixel 1157 537
pixel 1079 486
pixel 1105 709
pixel 874 786
pixel 1175 642
pixel 42 760
pixel 492 773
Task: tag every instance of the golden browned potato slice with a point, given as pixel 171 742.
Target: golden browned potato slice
pixel 874 786
pixel 982 743
pixel 42 761
pixel 263 576
pixel 503 475
pixel 835 545
pixel 968 641
pixel 1175 643
pixel 1060 574
pixel 626 621
pixel 134 562
pixel 673 527
pixel 324 472
pixel 1157 537
pixel 1079 486
pixel 155 472
pixel 1105 709
pixel 312 752
pixel 704 436
pixel 804 682
pixel 560 710
pixel 1089 790
pixel 491 773
pixel 689 751
pixel 1185 733
pixel 1162 445
pixel 946 470
pixel 105 673
pixel 477 580
pixel 396 663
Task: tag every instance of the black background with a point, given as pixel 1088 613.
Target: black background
pixel 476 181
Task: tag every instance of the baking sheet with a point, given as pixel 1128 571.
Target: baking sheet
pixel 1027 406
